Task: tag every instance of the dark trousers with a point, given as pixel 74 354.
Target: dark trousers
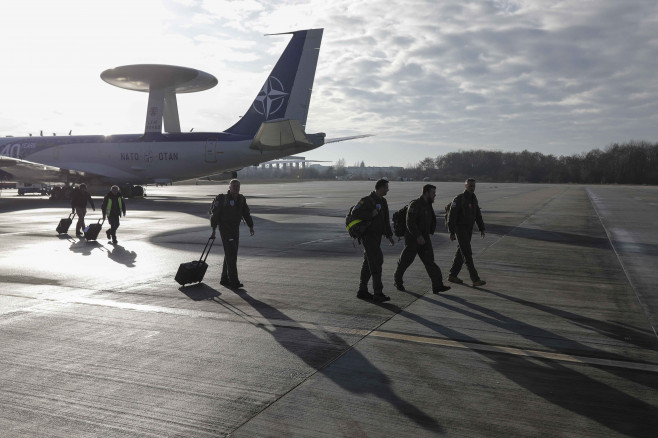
pixel 464 254
pixel 373 259
pixel 426 254
pixel 80 225
pixel 230 266
pixel 114 224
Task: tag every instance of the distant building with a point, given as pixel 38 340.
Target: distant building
pixel 369 172
pixel 296 164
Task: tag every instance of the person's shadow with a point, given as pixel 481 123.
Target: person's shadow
pixel 83 246
pixel 120 255
pixel 358 375
pixel 578 391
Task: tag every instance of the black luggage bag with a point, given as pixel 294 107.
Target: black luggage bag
pixel 193 272
pixel 64 224
pixel 91 232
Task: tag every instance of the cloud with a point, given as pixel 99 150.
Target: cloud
pixel 427 77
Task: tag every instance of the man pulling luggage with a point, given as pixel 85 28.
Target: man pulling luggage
pixel 113 206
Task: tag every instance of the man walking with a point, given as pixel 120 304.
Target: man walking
pixel 227 211
pixel 421 223
pixel 79 199
pixel 464 213
pixel 113 206
pixel 373 208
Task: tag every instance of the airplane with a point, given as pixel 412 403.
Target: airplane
pixel 272 127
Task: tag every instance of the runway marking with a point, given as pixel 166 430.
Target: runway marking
pixel 594 200
pixel 517 351
pixel 273 324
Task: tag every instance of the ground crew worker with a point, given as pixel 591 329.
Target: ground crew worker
pixel 79 199
pixel 227 211
pixel 463 214
pixel 421 223
pixel 374 208
pixel 113 206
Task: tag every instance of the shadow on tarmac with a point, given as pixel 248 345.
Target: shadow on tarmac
pixel 361 378
pixel 621 332
pixel 199 292
pixel 549 379
pixel 84 247
pixel 120 255
pixel 572 239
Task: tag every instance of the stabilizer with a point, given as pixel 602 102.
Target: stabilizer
pixel 286 93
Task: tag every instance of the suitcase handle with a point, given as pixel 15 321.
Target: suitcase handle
pixel 210 241
pixel 72 215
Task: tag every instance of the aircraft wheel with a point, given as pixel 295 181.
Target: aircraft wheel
pixel 127 191
pixel 56 193
pixel 138 191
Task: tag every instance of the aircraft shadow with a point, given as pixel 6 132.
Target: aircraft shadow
pixel 572 239
pixel 271 239
pixel 362 377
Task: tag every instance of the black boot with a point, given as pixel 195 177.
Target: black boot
pixel 363 294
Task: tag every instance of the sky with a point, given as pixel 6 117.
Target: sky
pixel 424 77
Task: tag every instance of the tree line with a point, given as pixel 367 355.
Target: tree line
pixel 627 163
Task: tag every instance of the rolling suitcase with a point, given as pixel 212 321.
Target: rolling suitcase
pixel 193 272
pixel 64 224
pixel 91 232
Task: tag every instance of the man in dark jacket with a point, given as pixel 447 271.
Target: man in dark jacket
pixel 421 223
pixel 113 206
pixel 79 199
pixel 373 208
pixel 464 213
pixel 227 211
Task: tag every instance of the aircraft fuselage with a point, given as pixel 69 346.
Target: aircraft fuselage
pixel 139 158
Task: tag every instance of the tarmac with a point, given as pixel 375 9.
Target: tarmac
pixel 99 340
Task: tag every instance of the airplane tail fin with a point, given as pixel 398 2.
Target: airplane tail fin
pixel 286 93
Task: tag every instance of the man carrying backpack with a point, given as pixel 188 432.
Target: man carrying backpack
pixel 420 224
pixel 373 208
pixel 464 213
pixel 228 209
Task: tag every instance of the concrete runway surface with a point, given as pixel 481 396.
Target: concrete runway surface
pixel 98 340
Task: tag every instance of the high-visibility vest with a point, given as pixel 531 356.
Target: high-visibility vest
pixel 109 206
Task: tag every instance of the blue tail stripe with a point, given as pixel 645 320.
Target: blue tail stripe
pixel 273 98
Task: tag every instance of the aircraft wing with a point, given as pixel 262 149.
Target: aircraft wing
pixel 334 140
pixel 33 172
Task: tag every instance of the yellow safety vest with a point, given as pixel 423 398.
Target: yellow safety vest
pixel 109 206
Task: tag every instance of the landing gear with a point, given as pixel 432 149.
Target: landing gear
pixel 59 193
pixel 131 191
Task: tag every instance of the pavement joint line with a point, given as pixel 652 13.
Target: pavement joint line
pixel 528 217
pixel 146 308
pixel 647 314
pixel 561 357
pixel 362 333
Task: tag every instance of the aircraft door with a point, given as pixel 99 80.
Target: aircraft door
pixel 211 146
